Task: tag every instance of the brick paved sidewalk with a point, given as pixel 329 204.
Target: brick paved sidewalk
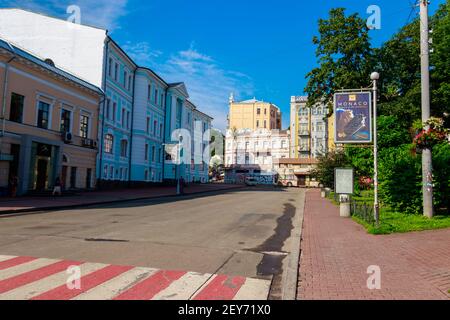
pixel 336 253
pixel 26 204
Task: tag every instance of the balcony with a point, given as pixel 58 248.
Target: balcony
pixel 304 133
pixel 304 148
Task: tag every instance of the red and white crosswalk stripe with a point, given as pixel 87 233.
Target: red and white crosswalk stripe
pixel 28 278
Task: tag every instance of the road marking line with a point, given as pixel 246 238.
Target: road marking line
pixel 220 287
pixel 148 288
pixel 89 281
pixel 25 267
pixel 31 290
pixel 183 288
pixel 114 287
pixel 254 289
pixel 3 258
pixel 35 275
pixel 9 263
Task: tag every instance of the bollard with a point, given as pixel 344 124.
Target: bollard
pixel 344 207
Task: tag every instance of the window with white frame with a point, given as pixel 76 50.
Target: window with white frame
pixel 109 142
pixel 84 126
pixel 66 118
pixel 43 115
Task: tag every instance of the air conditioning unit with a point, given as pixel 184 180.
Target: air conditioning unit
pixel 68 137
pixel 94 144
pixel 86 142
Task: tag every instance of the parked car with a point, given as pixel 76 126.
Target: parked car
pixel 251 181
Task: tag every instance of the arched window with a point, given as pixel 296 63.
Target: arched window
pixel 109 142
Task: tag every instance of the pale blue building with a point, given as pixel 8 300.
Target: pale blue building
pixel 116 117
pixel 148 127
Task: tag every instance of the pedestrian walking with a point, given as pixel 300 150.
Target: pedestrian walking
pixel 57 187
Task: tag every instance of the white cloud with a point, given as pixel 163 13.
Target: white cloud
pixel 141 52
pixel 99 13
pixel 208 83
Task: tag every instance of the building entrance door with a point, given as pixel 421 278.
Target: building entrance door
pixel 41 174
pixel 64 177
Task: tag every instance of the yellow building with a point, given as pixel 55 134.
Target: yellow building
pixel 48 125
pixel 253 114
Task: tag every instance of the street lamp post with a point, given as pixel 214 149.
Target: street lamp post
pixel 375 76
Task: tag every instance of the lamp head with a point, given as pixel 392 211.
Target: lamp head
pixel 375 76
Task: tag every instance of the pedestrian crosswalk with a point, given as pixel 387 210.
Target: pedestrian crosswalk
pixel 28 278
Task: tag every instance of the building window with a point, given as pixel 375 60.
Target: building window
pixel 265 111
pixel 161 102
pixel 108 109
pixel 116 71
pixel 105 172
pixel 111 172
pixel 155 123
pixel 146 175
pixel 156 96
pixel 43 115
pixel 125 79
pixel 148 125
pixel 84 127
pixel 114 111
pixel 160 130
pixel 123 148
pixel 258 111
pixel 130 83
pixel 16 112
pixel 110 67
pixel 265 124
pixel 159 155
pixel 146 152
pixel 65 120
pixel 123 117
pixel 149 92
pixel 257 123
pixel 153 153
pixel 109 141
pixel 128 119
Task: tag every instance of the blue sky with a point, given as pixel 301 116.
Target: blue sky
pixel 253 48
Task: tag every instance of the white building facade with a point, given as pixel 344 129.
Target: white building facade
pixel 256 148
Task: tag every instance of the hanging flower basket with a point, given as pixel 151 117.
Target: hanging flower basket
pixel 428 138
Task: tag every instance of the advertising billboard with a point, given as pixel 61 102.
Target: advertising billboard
pixel 353 117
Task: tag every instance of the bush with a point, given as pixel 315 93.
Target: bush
pixel 400 176
pixel 441 165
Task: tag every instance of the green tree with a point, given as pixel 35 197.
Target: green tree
pixel 440 61
pixel 344 56
pixel 324 173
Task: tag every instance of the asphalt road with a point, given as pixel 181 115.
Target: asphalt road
pixel 244 232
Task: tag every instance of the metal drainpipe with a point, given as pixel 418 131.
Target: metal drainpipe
pixel 130 165
pixel 103 120
pixel 5 91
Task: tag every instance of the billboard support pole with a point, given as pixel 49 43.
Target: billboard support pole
pixel 375 76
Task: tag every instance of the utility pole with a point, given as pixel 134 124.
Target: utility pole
pixel 375 76
pixel 427 165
